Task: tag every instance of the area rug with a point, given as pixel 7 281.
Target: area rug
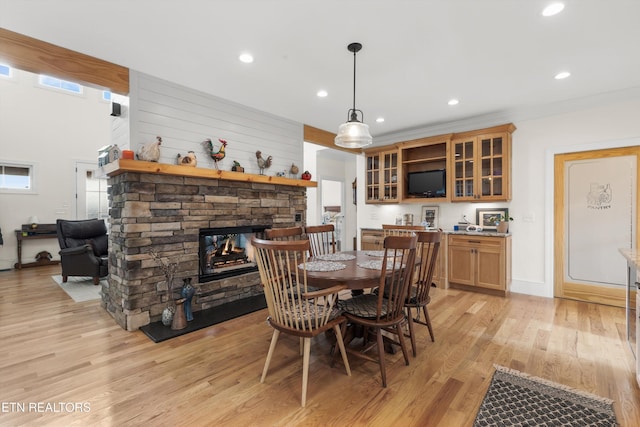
pixel 79 288
pixel 517 399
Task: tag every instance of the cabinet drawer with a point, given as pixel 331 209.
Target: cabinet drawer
pixel 470 240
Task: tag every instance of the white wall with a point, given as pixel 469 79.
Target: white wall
pixel 51 130
pixel 184 118
pixel 536 140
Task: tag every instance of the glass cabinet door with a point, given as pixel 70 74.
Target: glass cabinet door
pixel 382 177
pixel 373 178
pixel 390 176
pixel 491 159
pixel 463 178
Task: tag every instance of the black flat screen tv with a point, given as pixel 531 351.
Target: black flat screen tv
pixel 428 183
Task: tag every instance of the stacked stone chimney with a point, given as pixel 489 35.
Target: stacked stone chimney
pixel 166 212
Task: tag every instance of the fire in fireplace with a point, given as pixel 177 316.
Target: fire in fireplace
pixel 227 251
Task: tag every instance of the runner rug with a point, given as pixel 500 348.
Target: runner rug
pixel 517 399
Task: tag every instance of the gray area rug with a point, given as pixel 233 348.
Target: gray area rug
pixel 80 288
pixel 517 399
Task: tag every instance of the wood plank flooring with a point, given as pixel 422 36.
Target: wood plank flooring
pixel 74 358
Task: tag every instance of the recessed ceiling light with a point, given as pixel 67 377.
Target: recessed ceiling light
pixel 553 9
pixel 380 120
pixel 453 102
pixel 322 93
pixel 247 58
pixel 562 75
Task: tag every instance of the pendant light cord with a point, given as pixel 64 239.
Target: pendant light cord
pixel 354 80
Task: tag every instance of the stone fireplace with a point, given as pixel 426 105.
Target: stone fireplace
pixel 226 252
pixel 171 209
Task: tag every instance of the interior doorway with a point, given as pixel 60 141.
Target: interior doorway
pixel 332 207
pixel 595 214
pixel 92 199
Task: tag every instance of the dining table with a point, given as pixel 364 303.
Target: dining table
pixel 356 270
pixel 361 269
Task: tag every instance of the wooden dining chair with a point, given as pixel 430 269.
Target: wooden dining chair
pixel 322 239
pixel 400 230
pixel 284 234
pixel 427 250
pixel 384 310
pixel 293 308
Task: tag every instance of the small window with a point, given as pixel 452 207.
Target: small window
pixel 106 95
pixel 16 178
pixel 5 70
pixel 56 83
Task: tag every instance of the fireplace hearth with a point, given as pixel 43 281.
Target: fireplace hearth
pixel 226 251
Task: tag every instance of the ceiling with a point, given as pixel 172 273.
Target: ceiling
pixel 495 56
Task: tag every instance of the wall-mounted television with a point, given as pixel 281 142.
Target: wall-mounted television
pixel 428 183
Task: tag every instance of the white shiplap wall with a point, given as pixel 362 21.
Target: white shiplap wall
pixel 184 118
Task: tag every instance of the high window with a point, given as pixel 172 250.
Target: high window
pixel 16 178
pixel 60 84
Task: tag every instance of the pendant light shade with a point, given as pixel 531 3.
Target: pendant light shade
pixel 354 133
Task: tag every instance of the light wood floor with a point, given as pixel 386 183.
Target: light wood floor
pixel 55 350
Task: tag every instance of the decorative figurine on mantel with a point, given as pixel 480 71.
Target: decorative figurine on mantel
pixel 294 170
pixel 150 152
pixel 188 160
pixel 236 167
pixel 263 163
pixel 216 155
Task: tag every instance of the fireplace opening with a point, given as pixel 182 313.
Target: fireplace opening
pixel 227 251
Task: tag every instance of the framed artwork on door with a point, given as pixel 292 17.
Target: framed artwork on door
pixel 429 216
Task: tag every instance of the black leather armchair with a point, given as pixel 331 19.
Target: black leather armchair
pixel 83 248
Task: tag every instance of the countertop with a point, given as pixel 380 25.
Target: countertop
pixel 632 255
pixel 464 232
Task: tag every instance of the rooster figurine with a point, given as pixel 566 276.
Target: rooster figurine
pixel 151 151
pixel 216 155
pixel 263 163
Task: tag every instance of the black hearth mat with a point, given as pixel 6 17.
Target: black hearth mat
pixel 205 318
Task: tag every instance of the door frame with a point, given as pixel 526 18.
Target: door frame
pixel 615 296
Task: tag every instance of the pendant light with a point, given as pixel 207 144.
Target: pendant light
pixel 354 133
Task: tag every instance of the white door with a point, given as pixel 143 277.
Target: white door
pixel 92 200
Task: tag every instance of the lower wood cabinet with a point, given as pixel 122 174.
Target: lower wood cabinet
pixel 481 263
pixel 373 240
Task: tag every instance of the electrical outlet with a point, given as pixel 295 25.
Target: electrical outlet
pixel 298 217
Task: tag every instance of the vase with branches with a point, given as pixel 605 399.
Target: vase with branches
pixel 169 270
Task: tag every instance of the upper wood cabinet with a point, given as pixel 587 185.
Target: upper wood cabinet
pixel 422 155
pixel 481 165
pixel 382 179
pixel 477 166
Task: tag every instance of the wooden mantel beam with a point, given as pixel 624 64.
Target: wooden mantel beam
pixel 39 57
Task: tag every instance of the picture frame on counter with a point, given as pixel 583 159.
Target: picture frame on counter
pixel 429 216
pixel 488 218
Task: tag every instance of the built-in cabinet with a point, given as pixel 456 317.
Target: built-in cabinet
pixel 481 166
pixel 480 262
pixel 477 166
pixel 381 173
